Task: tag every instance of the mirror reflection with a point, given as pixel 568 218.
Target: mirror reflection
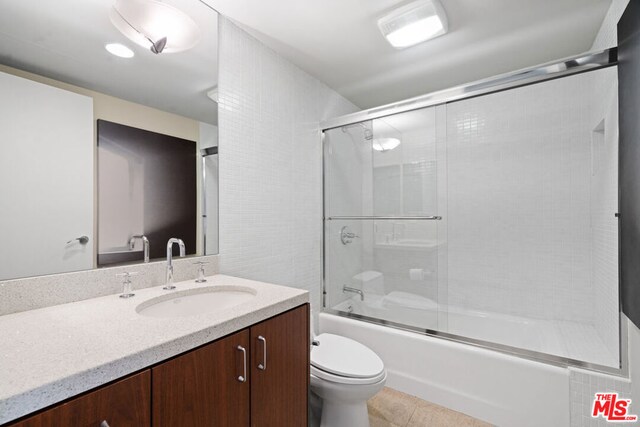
pixel 108 132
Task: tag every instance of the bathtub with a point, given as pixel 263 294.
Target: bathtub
pixel 492 386
pixel 547 337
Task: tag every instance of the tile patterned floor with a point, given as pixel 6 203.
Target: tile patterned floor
pixel 391 408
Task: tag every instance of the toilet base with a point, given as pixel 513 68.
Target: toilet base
pixel 344 405
pixel 338 414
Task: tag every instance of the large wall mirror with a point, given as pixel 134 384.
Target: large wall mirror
pixel 108 132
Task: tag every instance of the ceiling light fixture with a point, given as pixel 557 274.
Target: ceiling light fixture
pixel 385 144
pixel 118 49
pixel 414 23
pixel 154 25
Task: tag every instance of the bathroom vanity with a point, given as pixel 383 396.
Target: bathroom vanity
pixel 103 362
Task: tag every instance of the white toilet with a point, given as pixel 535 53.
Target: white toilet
pixel 344 374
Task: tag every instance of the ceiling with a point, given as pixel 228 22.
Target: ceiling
pixel 338 41
pixel 335 40
pixel 64 40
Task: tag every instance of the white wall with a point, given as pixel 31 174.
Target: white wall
pixel 46 179
pixel 584 384
pixel 519 200
pixel 607 35
pixel 605 250
pixel 270 163
pixel 118 110
pixel 604 201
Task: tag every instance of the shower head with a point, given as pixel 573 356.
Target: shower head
pixel 368 133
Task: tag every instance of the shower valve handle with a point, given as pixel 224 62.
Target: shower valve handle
pixel 347 236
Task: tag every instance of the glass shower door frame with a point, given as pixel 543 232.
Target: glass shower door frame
pixel 570 66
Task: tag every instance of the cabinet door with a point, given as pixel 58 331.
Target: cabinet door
pixel 124 403
pixel 207 387
pixel 280 370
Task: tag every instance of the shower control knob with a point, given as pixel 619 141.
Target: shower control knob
pixel 347 236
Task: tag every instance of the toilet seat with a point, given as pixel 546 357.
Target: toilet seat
pixel 342 360
pixel 338 379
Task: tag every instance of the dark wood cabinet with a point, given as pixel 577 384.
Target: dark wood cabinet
pixel 207 387
pixel 256 377
pixel 213 387
pixel 126 403
pixel 280 370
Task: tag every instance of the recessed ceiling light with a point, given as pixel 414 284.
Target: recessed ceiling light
pixel 385 144
pixel 155 25
pixel 118 49
pixel 414 23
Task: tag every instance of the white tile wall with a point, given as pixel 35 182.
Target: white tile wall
pixel 584 384
pixel 604 201
pixel 270 163
pixel 347 170
pixel 519 200
pixel 607 35
pixel 604 196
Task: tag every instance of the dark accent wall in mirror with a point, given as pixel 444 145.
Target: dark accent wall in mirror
pixel 146 187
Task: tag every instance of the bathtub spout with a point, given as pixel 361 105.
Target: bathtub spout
pixel 354 290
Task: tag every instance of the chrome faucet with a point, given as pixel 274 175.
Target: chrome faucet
pixel 145 243
pixel 354 290
pixel 168 284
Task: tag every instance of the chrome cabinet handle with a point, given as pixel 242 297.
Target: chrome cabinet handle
pixel 263 365
pixel 243 378
pixel 104 423
pixel 83 240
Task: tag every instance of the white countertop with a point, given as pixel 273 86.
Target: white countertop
pixel 53 353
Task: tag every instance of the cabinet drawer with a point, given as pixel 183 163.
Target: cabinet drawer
pixel 125 403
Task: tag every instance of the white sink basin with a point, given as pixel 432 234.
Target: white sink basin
pixel 195 301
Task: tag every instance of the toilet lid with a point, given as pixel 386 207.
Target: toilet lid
pixel 345 357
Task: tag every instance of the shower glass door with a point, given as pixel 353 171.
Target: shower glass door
pixel 489 220
pixel 381 219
